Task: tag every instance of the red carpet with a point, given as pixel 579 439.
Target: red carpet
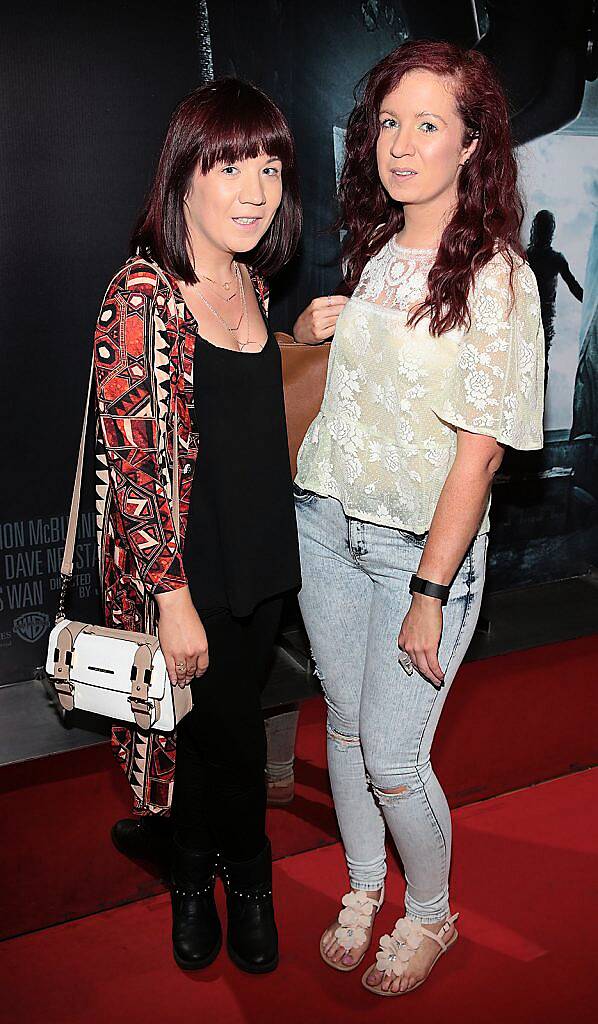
pixel 524 882
pixel 510 721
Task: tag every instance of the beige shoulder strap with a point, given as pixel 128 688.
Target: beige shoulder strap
pixel 66 568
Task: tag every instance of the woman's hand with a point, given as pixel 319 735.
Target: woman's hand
pixel 318 321
pixel 182 637
pixel 420 636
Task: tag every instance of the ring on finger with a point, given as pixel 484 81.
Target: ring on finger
pixel 405 662
pixel 329 299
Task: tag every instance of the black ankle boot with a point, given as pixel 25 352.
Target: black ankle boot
pixel 196 931
pixel 252 939
pixel 148 838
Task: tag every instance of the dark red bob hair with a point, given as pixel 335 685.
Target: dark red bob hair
pixel 489 210
pixel 222 122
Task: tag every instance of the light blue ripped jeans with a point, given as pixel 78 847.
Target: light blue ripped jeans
pixel 381 721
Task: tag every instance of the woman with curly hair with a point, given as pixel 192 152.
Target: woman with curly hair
pixel 436 367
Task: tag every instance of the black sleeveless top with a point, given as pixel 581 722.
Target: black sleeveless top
pixel 241 540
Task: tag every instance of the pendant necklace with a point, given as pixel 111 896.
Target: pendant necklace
pixel 233 330
pixel 226 285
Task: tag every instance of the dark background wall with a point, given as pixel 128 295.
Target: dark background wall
pixel 86 92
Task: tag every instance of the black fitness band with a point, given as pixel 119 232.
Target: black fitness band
pixel 420 586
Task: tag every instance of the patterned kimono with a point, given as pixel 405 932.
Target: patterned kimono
pixel 143 353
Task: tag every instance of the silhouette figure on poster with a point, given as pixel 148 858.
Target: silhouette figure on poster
pixel 547 264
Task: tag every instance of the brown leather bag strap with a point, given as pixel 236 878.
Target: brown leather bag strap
pixel 66 569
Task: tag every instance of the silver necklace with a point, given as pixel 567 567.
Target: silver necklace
pixel 226 284
pixel 233 330
pixel 216 284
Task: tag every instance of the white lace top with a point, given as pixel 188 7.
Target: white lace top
pixel 386 435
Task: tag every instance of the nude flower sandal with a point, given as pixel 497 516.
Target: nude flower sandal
pixel 358 913
pixel 397 949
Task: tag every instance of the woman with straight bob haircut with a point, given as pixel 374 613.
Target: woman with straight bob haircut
pixel 183 344
pixel 436 366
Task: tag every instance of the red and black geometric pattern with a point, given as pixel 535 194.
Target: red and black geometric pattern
pixel 143 352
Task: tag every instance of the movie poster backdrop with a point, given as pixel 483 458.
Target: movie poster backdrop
pixel 87 90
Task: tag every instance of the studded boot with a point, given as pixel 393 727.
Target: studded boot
pixel 252 938
pixel 196 931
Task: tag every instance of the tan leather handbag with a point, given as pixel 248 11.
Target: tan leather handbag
pixel 304 369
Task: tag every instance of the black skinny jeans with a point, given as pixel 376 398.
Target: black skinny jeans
pixel 219 796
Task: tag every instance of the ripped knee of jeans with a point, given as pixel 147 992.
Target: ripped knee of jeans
pixel 390 785
pixel 341 740
pixel 388 797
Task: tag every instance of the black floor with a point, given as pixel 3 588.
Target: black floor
pixel 532 616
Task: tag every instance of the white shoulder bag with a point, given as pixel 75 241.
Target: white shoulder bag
pixel 112 672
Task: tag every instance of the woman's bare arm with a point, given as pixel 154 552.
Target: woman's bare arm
pixel 457 517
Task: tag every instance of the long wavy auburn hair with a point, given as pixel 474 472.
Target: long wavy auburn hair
pixel 489 209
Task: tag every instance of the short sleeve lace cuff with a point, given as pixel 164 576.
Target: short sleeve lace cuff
pixel 495 386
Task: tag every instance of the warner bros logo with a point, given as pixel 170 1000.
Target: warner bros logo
pixel 31 626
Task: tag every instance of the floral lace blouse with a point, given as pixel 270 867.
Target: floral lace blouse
pixel 386 435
